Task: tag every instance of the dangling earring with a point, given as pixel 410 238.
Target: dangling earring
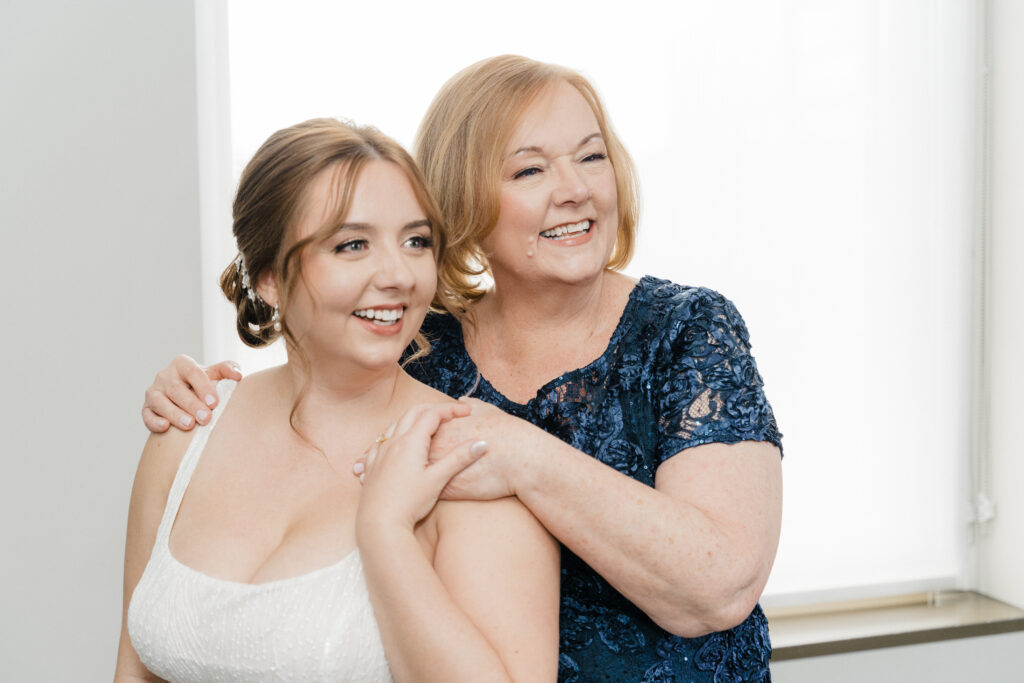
pixel 276 318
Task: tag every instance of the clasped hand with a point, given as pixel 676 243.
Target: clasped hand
pixel 448 442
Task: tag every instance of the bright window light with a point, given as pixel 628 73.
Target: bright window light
pixel 813 161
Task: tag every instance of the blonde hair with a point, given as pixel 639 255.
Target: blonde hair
pixel 460 145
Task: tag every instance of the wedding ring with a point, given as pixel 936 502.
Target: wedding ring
pixel 381 438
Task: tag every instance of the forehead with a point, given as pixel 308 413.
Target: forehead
pixel 383 194
pixel 557 117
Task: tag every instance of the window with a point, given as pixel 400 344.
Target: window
pixel 813 161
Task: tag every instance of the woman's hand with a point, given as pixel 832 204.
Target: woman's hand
pixel 492 476
pixel 435 596
pixel 183 394
pixel 401 484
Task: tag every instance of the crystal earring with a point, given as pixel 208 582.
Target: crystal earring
pixel 276 318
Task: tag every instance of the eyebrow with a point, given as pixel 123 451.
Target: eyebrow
pixel 540 150
pixel 367 226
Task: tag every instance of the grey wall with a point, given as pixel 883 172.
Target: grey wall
pixel 99 213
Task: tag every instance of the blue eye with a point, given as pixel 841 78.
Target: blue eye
pixel 419 242
pixel 350 246
pixel 526 172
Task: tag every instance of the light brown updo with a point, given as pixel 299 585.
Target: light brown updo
pixel 267 204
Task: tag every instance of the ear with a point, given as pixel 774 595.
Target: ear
pixel 267 289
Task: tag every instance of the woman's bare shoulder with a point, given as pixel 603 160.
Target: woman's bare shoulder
pixel 163 453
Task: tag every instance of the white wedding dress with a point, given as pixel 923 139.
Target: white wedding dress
pixel 187 626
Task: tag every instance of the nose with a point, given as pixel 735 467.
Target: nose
pixel 570 185
pixel 393 271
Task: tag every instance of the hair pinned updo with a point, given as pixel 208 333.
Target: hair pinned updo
pixel 267 205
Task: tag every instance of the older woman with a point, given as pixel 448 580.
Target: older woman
pixel 627 416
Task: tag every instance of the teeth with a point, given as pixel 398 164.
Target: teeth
pixel 570 229
pixel 381 316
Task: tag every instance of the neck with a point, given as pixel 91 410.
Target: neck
pixel 340 397
pixel 521 310
pixel 545 304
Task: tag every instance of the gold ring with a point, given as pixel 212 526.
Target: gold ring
pixel 381 438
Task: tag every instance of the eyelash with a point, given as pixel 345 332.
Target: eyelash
pixel 424 241
pixel 347 247
pixel 526 172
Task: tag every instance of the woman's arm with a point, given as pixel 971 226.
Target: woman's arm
pixel 485 608
pixel 153 479
pixel 693 553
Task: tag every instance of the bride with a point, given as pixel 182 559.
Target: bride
pixel 251 553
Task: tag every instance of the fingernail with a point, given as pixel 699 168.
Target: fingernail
pixel 362 478
pixel 358 468
pixel 201 415
pixel 479 448
pixel 390 431
pixel 186 420
pixel 210 400
pixel 236 367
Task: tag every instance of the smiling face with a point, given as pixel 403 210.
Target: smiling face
pixel 559 213
pixel 366 287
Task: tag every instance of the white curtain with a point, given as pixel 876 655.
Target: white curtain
pixel 812 160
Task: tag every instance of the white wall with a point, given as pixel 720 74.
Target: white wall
pixel 1003 560
pixel 98 208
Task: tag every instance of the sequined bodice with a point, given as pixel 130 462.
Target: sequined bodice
pixel 677 373
pixel 187 626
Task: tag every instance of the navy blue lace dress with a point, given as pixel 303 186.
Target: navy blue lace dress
pixel 677 373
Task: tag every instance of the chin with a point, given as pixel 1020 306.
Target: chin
pixel 376 361
pixel 579 271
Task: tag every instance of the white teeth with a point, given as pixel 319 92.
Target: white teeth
pixel 381 316
pixel 570 229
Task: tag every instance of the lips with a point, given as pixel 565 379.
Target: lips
pixel 568 230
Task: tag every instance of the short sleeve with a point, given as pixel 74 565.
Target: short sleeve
pixel 705 386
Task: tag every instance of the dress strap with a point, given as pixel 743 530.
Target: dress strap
pixel 189 461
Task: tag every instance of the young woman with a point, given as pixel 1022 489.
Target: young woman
pixel 628 416
pixel 252 553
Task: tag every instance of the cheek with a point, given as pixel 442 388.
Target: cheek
pixel 609 193
pixel 300 310
pixel 513 224
pixel 426 276
pixel 518 212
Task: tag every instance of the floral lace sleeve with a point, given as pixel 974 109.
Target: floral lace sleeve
pixel 705 386
pixel 677 372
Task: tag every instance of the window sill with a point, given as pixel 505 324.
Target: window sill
pixel 908 620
